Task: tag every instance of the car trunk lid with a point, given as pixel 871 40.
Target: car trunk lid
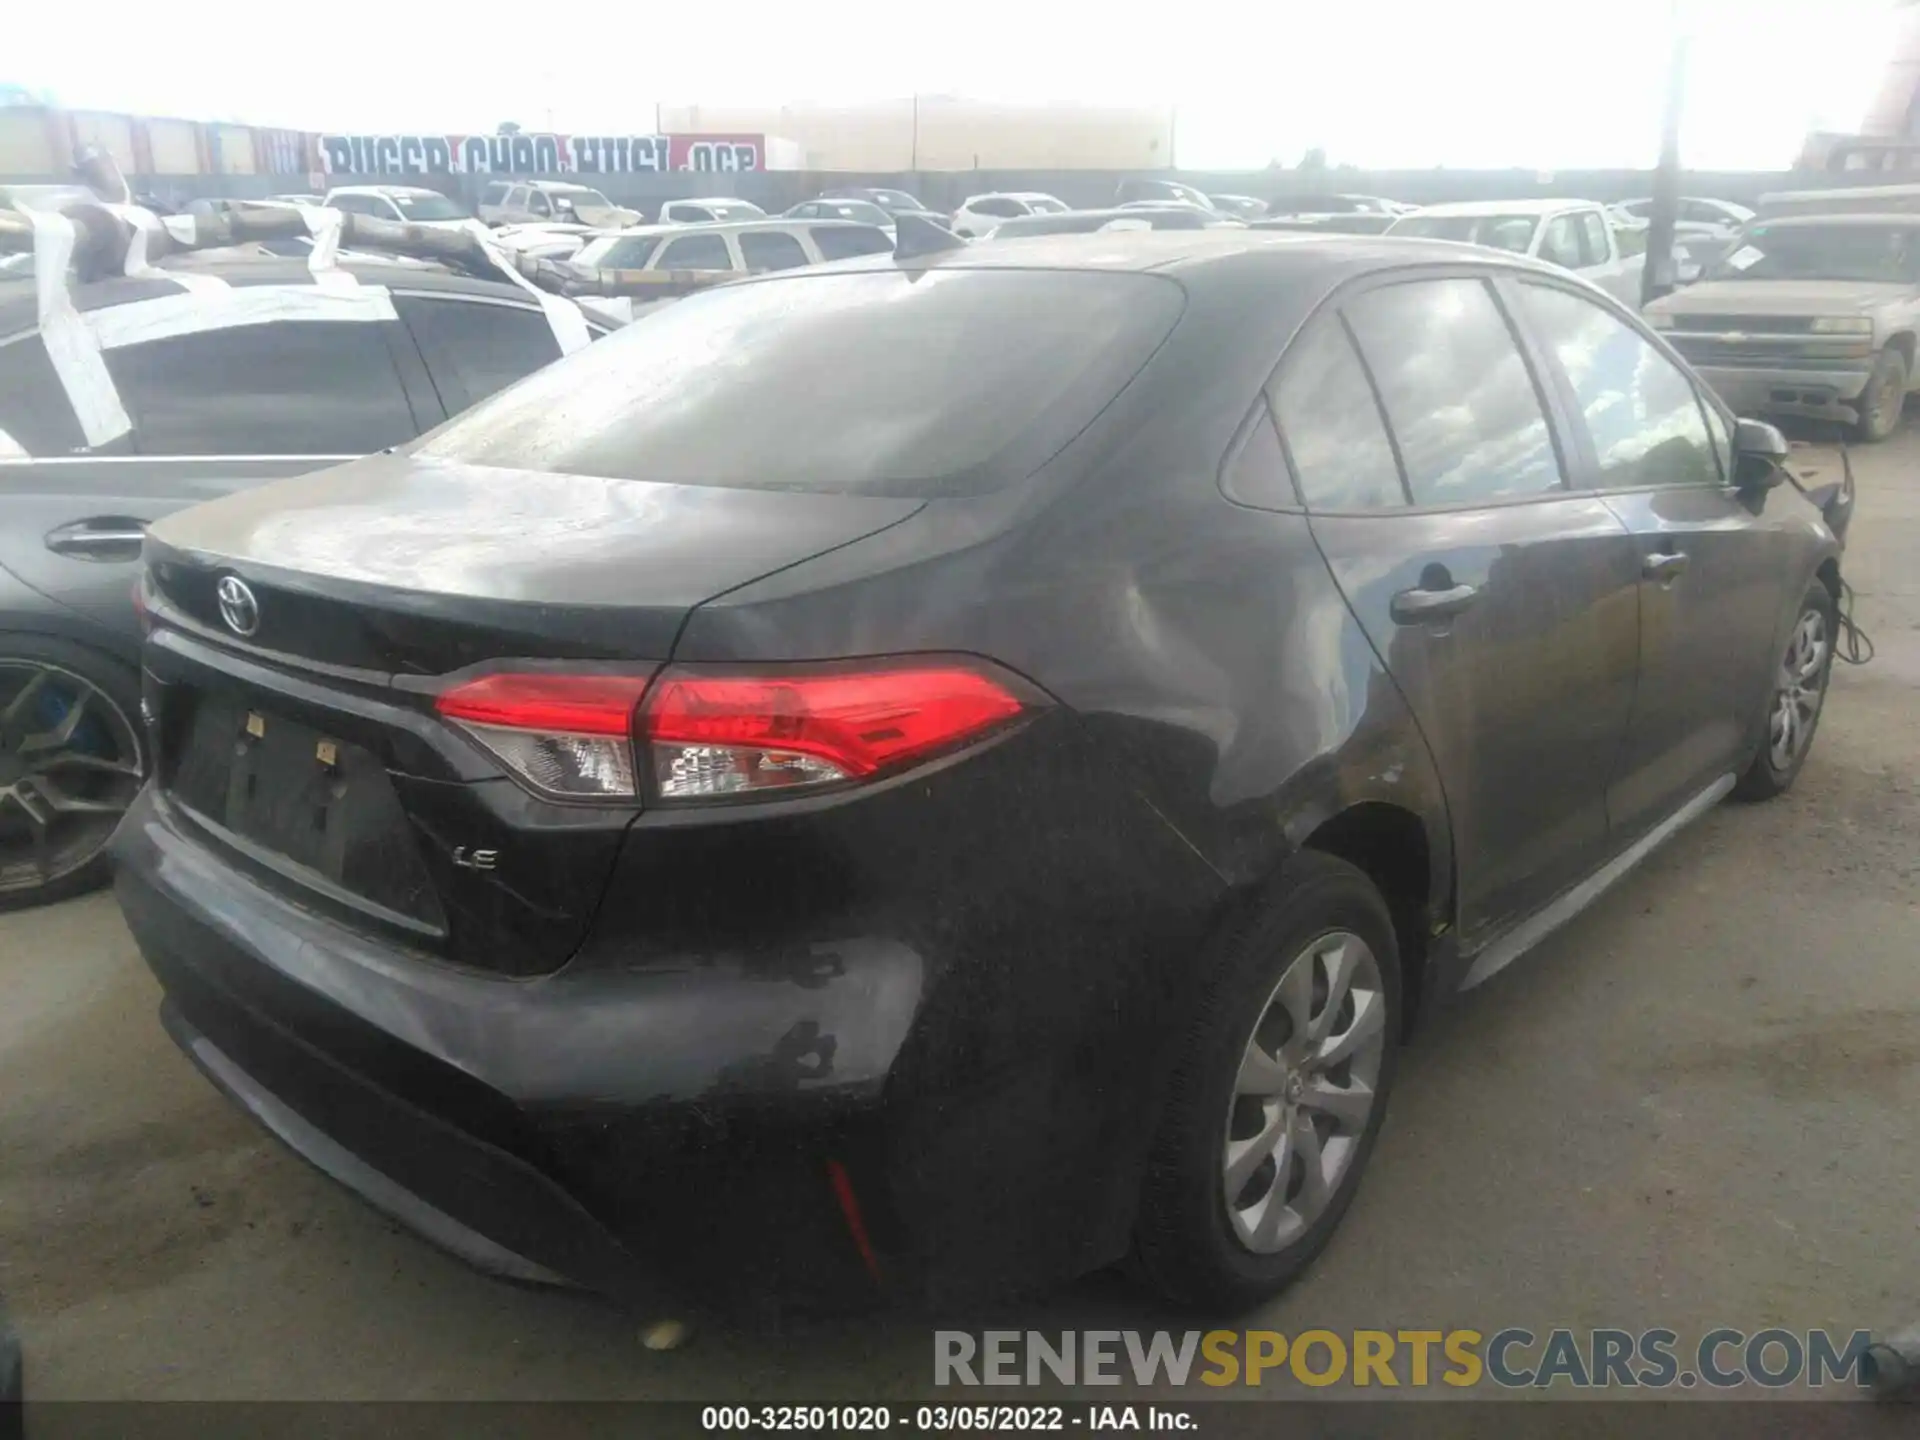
pixel 299 735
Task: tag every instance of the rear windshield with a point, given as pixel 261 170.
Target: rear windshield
pixel 945 382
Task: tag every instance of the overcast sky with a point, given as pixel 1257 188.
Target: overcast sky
pixel 1386 83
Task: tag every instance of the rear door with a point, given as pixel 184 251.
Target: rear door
pixel 1713 564
pixel 1503 605
pixel 212 411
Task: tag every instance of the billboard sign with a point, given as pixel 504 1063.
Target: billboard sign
pixel 540 154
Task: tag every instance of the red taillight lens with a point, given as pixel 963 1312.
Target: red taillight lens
pixel 710 735
pixel 706 736
pixel 569 736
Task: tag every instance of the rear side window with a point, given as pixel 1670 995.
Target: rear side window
pixel 1256 473
pixel 35 413
pixel 695 252
pixel 843 242
pixel 1457 393
pixel 1341 456
pixel 473 349
pixel 771 250
pixel 1641 411
pixel 998 205
pixel 495 194
pixel 324 388
pixel 945 382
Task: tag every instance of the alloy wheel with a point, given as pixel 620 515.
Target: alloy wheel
pixel 69 768
pixel 1798 690
pixel 1307 1088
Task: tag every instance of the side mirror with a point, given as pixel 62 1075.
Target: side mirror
pixel 1759 450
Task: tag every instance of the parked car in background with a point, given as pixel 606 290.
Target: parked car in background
pixel 860 212
pixel 302 198
pixel 724 209
pixel 1241 207
pixel 535 202
pixel 964 757
pixel 1722 216
pixel 226 388
pixel 1352 222
pixel 1573 234
pixel 894 202
pixel 1333 204
pixel 1694 245
pixel 548 242
pixel 1810 315
pixel 746 245
pixel 1137 216
pixel 411 203
pixel 980 213
pixel 1160 192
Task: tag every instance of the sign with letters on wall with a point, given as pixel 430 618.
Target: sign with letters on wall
pixel 542 154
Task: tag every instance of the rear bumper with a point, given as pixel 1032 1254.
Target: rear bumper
pixel 1815 392
pixel 958 992
pixel 545 1131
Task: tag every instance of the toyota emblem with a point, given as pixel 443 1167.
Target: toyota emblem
pixel 237 605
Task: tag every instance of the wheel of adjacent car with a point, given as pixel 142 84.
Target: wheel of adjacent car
pixel 71 761
pixel 1794 703
pixel 1277 1101
pixel 1885 397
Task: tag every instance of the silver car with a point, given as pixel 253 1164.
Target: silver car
pixel 223 387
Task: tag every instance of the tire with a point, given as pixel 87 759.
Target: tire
pixel 61 794
pixel 1797 690
pixel 1196 1244
pixel 1882 402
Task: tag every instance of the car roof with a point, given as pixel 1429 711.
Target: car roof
pixel 1203 256
pixel 1012 195
pixel 18 310
pixel 1808 222
pixel 709 200
pixel 1504 207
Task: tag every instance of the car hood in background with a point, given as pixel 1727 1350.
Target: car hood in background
pixel 1781 297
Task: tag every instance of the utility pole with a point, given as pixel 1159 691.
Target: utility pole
pixel 1660 275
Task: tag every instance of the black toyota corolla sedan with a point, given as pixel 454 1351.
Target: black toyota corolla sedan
pixel 941 774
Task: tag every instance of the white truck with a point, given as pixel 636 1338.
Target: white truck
pixel 1575 234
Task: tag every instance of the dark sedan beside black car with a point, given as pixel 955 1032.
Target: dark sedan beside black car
pixel 927 776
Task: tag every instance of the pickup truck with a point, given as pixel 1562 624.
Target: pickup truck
pixel 1575 234
pixel 1809 315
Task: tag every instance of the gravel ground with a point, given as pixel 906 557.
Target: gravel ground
pixel 1695 1106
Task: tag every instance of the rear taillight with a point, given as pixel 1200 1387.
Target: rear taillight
pixel 702 735
pixel 570 736
pixel 709 735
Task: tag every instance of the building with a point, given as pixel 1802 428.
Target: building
pixel 945 132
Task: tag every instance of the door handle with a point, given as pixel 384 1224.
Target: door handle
pixel 1422 606
pixel 105 537
pixel 1664 567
